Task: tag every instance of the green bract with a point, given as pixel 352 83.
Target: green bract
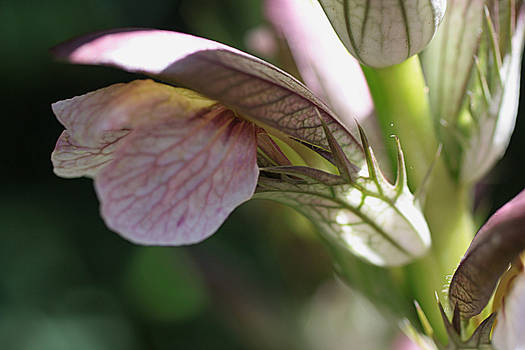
pixel 384 33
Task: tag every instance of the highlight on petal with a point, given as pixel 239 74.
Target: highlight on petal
pixel 323 61
pixel 508 332
pixel 174 182
pixel 248 85
pixel 493 248
pixel 384 33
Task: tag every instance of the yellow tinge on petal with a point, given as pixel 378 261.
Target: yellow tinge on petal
pixel 125 106
pixel 510 304
pixel 506 282
pixel 97 122
pixel 195 99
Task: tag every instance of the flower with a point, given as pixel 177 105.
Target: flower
pixel 497 244
pixel 170 164
pixel 157 154
pixel 494 247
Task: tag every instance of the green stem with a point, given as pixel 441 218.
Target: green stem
pixel 448 217
pixel 401 104
pixel 402 109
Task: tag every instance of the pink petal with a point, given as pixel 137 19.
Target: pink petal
pixel 176 181
pixel 245 83
pixel 71 159
pixel 122 106
pixel 325 64
pixel 97 122
pixel 403 342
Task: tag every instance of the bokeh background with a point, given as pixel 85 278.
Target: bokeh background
pixel 67 282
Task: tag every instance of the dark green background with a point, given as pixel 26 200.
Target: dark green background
pixel 67 282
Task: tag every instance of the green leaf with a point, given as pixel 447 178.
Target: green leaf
pixel 480 338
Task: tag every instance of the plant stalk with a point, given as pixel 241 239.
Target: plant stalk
pixel 401 103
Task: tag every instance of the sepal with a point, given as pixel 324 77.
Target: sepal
pixel 480 338
pixel 304 174
pixel 347 170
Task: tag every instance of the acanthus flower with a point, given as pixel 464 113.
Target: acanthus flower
pixel 156 153
pixel 170 164
pixel 497 245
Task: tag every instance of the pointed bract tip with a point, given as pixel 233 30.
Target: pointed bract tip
pixel 401 178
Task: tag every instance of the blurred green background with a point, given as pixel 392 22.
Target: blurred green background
pixel 67 282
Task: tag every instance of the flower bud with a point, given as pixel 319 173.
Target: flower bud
pixel 387 32
pixel 472 69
